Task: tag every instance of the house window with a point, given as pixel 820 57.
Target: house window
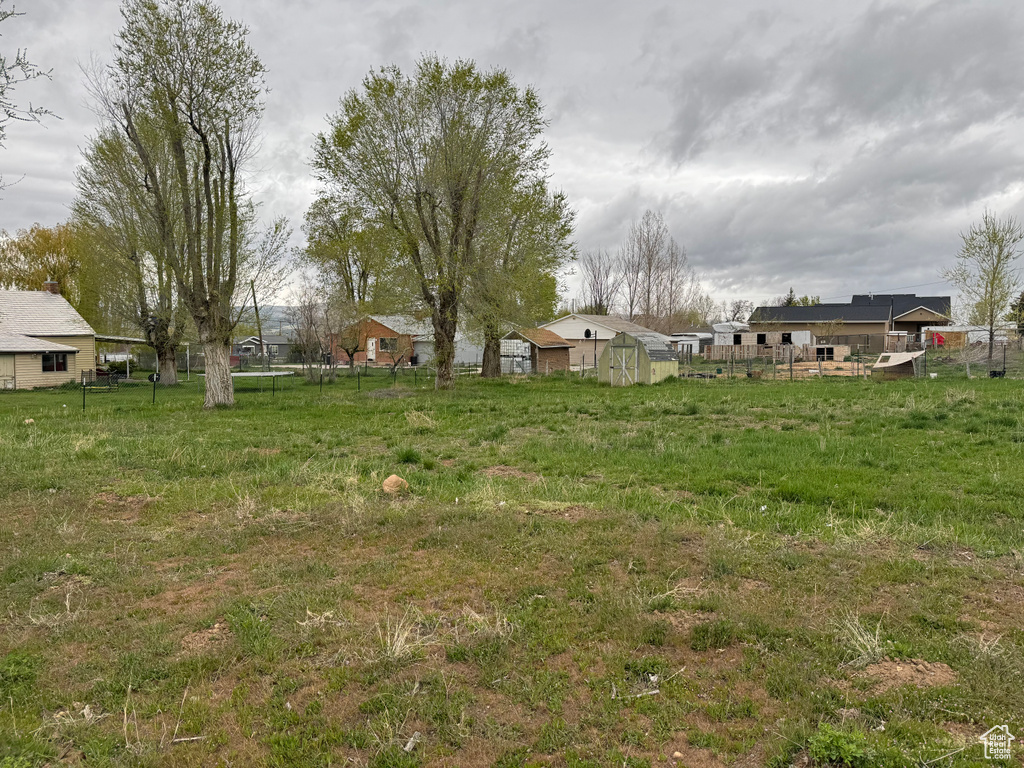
pixel 389 345
pixel 787 338
pixel 762 338
pixel 55 363
pixel 826 353
pixel 737 339
pixel 273 349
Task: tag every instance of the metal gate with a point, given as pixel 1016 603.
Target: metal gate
pixel 624 365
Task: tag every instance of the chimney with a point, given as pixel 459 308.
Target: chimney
pixel 52 286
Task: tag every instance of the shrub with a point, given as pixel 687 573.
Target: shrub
pixel 832 746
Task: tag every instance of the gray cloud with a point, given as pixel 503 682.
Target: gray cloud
pixel 832 147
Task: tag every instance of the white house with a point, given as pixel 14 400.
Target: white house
pixel 44 342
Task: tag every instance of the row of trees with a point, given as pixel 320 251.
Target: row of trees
pixel 164 235
pixel 649 279
pixel 434 200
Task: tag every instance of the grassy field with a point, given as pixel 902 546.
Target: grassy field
pixel 693 574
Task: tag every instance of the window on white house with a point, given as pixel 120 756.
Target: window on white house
pixel 389 345
pixel 55 362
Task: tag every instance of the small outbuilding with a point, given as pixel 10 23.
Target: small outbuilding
pixel 637 358
pixel 897 365
pixel 534 350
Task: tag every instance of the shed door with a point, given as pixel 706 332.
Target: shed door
pixel 6 371
pixel 371 349
pixel 624 366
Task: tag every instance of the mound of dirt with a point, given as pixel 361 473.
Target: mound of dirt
pixel 198 642
pixel 916 672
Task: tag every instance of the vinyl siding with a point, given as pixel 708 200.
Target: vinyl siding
pixel 28 371
pixel 86 346
pixel 28 368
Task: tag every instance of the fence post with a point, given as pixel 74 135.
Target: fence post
pixel 359 384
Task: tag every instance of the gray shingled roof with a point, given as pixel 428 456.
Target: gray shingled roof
pixel 823 313
pixel 16 342
pixel 40 313
pixel 902 303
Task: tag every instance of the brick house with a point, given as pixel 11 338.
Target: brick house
pixel 385 339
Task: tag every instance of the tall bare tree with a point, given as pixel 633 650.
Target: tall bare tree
pixel 658 284
pixel 599 286
pixel 185 85
pixel 429 156
pixel 985 271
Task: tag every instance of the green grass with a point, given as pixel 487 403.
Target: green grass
pixel 578 576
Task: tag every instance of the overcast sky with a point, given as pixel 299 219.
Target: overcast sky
pixel 831 147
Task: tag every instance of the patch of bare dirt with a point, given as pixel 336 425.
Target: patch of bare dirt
pixel 121 509
pixel 503 471
pixel 916 672
pixel 753 585
pixel 684 621
pixel 691 757
pixel 194 595
pixel 204 639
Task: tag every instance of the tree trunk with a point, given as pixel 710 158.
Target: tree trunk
pixel 445 320
pixel 219 387
pixel 492 354
pixel 167 366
